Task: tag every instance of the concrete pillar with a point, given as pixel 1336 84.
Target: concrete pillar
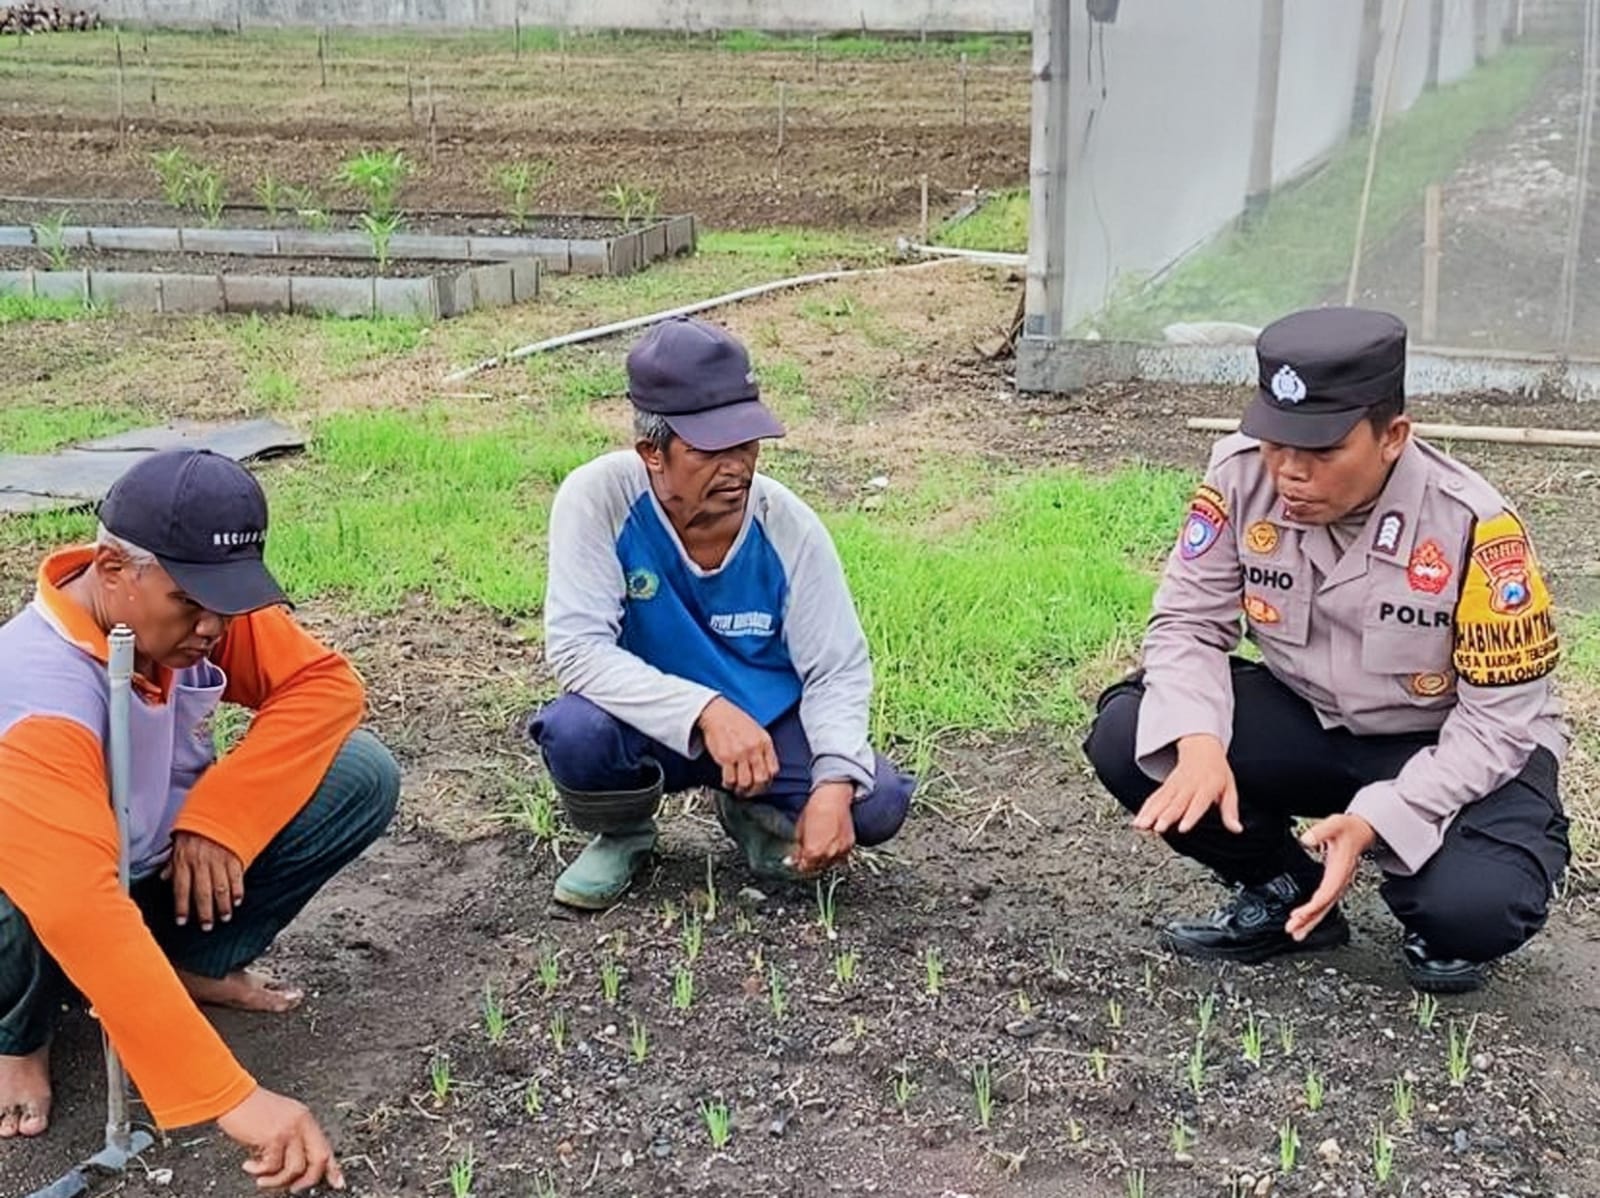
pixel 1266 124
pixel 1367 66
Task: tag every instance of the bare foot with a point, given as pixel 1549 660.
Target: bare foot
pixel 243 990
pixel 25 1094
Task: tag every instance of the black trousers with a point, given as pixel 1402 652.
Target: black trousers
pixel 1487 889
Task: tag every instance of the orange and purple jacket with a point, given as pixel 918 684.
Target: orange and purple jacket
pixel 58 836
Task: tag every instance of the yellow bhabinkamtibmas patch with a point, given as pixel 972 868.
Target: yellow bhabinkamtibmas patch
pixel 1505 632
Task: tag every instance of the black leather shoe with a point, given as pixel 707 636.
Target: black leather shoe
pixel 1440 975
pixel 1250 927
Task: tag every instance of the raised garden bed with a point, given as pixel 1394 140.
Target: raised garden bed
pixel 563 244
pixel 153 269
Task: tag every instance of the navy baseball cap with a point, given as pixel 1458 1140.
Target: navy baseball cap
pixel 1320 370
pixel 697 377
pixel 204 517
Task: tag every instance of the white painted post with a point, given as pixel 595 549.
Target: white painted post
pixel 1432 218
pixel 1045 312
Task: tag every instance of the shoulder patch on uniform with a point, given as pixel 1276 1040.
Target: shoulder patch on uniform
pixel 1505 631
pixel 1208 512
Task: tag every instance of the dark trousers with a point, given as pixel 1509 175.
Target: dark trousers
pixel 348 811
pixel 1487 889
pixel 587 750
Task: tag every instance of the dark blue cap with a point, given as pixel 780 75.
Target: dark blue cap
pixel 1320 372
pixel 697 377
pixel 204 517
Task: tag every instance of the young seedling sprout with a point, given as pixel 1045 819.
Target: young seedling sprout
pixel 844 967
pixel 439 1078
pixel 1458 1053
pixel 1205 1009
pixel 538 807
pixel 494 1015
pixel 549 973
pixel 1405 1101
pixel 1382 1154
pixel 1426 1008
pixel 1182 1137
pixel 610 982
pixel 519 183
pixel 544 1185
pixel 461 1174
pixel 273 195
pixel 558 1030
pixel 638 1041
pixel 1055 956
pixel 982 1094
pixel 1251 1039
pixel 1098 1063
pixel 1114 1014
pixel 51 237
pixel 903 1087
pixel 1074 1131
pixel 1288 1146
pixel 1149 980
pixel 1315 1091
pixel 208 191
pixel 742 924
pixel 1024 1003
pixel 1197 1066
pixel 682 988
pixel 933 963
pixel 694 937
pixel 533 1097
pixel 172 167
pixel 1286 1036
pixel 380 231
pixel 1133 1180
pixel 776 994
pixel 827 912
pixel 719 1123
pixel 711 892
pixel 377 176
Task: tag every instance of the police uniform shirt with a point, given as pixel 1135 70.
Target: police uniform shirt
pixel 1434 619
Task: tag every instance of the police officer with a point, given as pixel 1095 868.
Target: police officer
pixel 1403 695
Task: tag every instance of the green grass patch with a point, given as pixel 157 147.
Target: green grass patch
pixel 1000 225
pixel 353 342
pixel 16 308
pixel 752 41
pixel 43 428
pixel 792 246
pixel 1301 247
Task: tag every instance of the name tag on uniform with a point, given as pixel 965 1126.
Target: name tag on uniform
pixel 1411 616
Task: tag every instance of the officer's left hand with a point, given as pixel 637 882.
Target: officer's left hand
pixel 1342 839
pixel 825 832
pixel 207 879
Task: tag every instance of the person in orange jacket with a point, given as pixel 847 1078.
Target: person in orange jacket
pixel 224 853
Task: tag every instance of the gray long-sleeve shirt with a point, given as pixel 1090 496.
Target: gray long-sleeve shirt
pixel 637 628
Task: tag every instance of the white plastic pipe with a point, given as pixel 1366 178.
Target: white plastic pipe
pixel 639 322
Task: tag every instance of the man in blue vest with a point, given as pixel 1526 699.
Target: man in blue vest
pixel 699 623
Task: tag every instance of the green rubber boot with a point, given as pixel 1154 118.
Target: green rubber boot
pixel 602 873
pixel 765 836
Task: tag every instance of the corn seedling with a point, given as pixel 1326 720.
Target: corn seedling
pixel 1074 1131
pixel 758 960
pixel 1149 980
pixel 719 1123
pixel 610 982
pixel 549 974
pixel 711 892
pixel 1426 1008
pixel 544 1186
pixel 1024 1003
pixel 1197 1066
pixel 51 237
pixel 638 1041
pixel 1382 1154
pixel 682 988
pixel 858 1027
pixel 377 176
pixel 1182 1137
pixel 172 167
pixel 1114 1014
pixel 1286 1037
pixel 1315 1090
pixel 1288 1146
pixel 982 1094
pixel 439 1078
pixel 631 202
pixel 519 183
pixel 558 1030
pixel 693 937
pixel 533 1097
pixel 309 208
pixel 1458 1053
pixel 933 964
pixel 669 913
pixel 207 192
pixel 742 924
pixel 1133 1183
pixel 1250 1039
pixel 776 995
pixel 903 1088
pixel 827 912
pixel 844 967
pixel 537 812
pixel 273 195
pixel 380 231
pixel 494 1015
pixel 1055 956
pixel 1405 1101
pixel 1205 1010
pixel 1098 1064
pixel 461 1174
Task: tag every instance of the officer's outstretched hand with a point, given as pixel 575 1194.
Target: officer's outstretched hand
pixel 1341 839
pixel 1201 780
pixel 740 746
pixel 287 1148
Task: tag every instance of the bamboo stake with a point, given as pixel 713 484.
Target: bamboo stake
pixel 923 225
pixel 433 122
pixel 516 25
pixel 322 54
pixel 122 109
pixel 411 97
pixel 1372 155
pixel 963 90
pixel 1432 218
pixel 1490 434
pixel 783 113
